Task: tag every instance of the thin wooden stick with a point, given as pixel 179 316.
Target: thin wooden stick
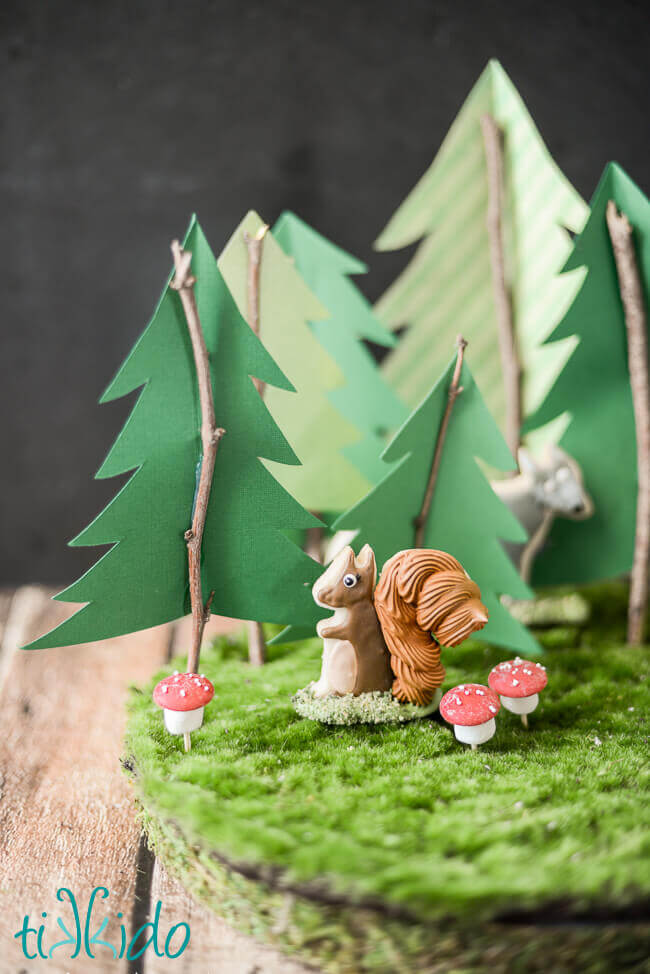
pixel 510 364
pixel 211 436
pixel 254 244
pixel 314 541
pixel 452 394
pixel 629 279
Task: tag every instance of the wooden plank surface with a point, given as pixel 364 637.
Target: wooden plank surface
pixel 66 815
pixel 66 810
pixel 215 947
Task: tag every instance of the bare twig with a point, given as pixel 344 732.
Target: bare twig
pixel 254 244
pixel 510 364
pixel 629 279
pixel 211 435
pixel 314 541
pixel 452 394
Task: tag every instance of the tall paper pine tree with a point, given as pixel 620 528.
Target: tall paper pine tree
pixel 255 571
pixel 319 434
pixel 466 517
pixel 595 389
pixel 366 400
pixel 447 287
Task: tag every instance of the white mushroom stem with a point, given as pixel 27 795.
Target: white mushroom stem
pixel 521 705
pixel 183 722
pixel 475 734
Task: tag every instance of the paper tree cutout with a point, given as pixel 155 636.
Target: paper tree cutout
pixel 448 288
pixel 595 388
pixel 319 434
pixel 366 400
pixel 466 518
pixel 255 571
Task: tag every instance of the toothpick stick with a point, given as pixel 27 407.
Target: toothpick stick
pixel 211 436
pixel 254 244
pixel 510 365
pixel 452 394
pixel 622 236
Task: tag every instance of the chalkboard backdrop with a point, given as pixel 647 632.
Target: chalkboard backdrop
pixel 120 118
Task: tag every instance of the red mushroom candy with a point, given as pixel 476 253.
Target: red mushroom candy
pixel 183 697
pixel 471 708
pixel 518 683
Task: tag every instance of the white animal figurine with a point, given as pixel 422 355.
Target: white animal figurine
pixel 543 490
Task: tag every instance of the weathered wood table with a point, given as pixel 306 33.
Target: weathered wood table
pixel 67 817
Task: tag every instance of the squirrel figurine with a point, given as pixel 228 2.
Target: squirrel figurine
pixel 390 636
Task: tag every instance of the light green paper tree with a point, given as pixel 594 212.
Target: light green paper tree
pixel 254 570
pixel 595 389
pixel 448 286
pixel 466 518
pixel 366 400
pixel 326 480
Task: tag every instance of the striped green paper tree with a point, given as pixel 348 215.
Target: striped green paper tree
pixel 490 212
pixel 320 435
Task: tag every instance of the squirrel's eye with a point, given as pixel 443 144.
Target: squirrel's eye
pixel 350 580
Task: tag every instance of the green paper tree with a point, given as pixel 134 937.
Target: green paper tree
pixel 326 480
pixel 595 389
pixel 466 518
pixel 365 400
pixel 255 571
pixel 448 286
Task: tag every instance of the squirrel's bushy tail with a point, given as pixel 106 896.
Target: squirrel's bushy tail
pixel 423 592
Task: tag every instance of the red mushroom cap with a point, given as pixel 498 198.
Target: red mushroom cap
pixel 183 691
pixel 518 678
pixel 469 704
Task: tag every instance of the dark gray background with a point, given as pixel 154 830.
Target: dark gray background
pixel 121 118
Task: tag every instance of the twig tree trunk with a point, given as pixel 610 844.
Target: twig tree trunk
pixel 254 245
pixel 314 541
pixel 211 435
pixel 510 364
pixel 452 395
pixel 629 279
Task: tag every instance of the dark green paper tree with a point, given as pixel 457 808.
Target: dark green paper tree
pixel 594 388
pixel 465 518
pixel 366 400
pixel 254 570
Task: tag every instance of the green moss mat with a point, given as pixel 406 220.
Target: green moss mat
pixel 403 817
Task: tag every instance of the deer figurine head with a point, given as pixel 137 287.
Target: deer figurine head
pixel 544 489
pixel 556 482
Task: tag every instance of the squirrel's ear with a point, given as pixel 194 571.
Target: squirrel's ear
pixel 366 561
pixel 345 559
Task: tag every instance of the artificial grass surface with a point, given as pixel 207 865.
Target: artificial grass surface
pixel 404 814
